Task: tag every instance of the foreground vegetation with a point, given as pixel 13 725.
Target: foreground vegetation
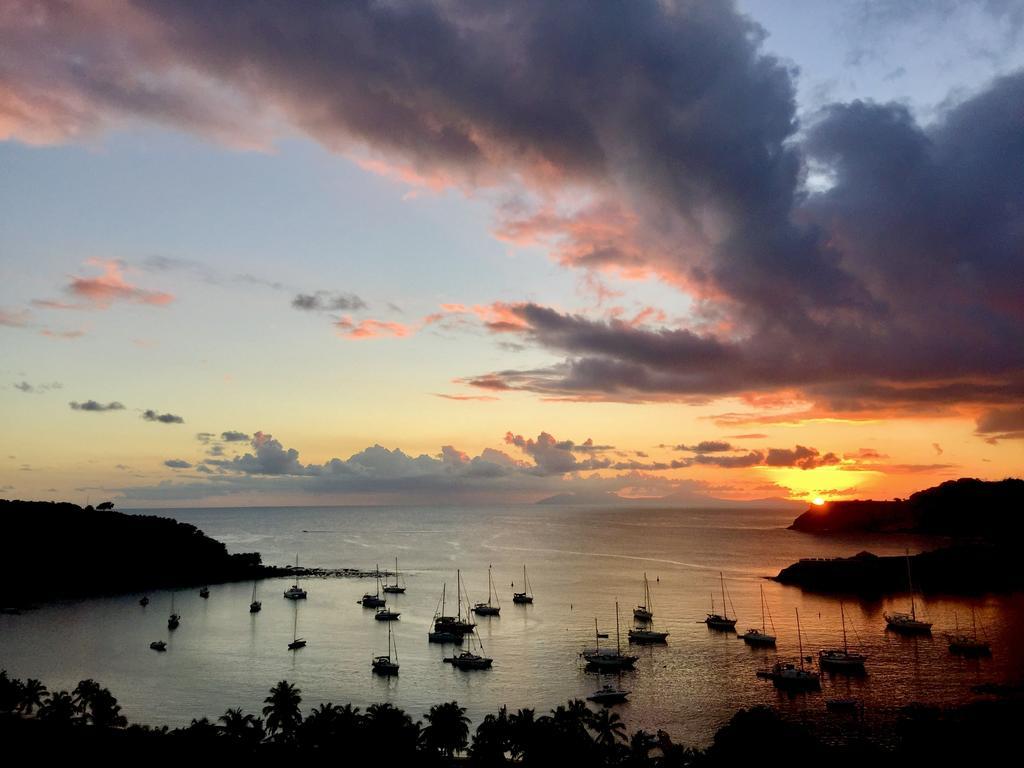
pixel 87 722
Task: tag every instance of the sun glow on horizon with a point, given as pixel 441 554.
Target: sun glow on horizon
pixel 818 501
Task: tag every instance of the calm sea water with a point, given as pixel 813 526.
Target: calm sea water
pixel 580 562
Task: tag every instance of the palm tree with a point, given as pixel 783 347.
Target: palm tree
pixel 104 711
pixel 282 710
pixel 609 729
pixel 10 692
pixel 33 693
pixel 385 723
pixel 59 707
pixel 84 692
pixel 447 728
pixel 491 740
pixel 640 745
pixel 242 727
pixel 320 727
pixel 521 733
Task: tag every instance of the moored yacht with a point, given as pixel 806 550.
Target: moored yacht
pixel 468 660
pixel 760 637
pixel 647 634
pixel 374 600
pixel 908 623
pixel 791 677
pixel 841 659
pixel 599 658
pixel 396 588
pixel 722 620
pixel 383 614
pixel 158 645
pixel 255 606
pixel 387 665
pixel 608 695
pixel 523 598
pixel 645 611
pixel 443 635
pixel 969 645
pixel 454 625
pixel 488 608
pixel 295 592
pixel 174 619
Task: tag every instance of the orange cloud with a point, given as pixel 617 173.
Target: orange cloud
pixel 102 291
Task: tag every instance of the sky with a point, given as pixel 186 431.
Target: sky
pixel 465 252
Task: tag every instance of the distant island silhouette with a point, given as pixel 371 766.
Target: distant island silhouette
pixel 53 550
pixel 985 520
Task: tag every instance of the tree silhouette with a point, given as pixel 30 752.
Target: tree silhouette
pixel 246 729
pixel 447 729
pixel 59 708
pixel 33 694
pixel 83 694
pixel 282 710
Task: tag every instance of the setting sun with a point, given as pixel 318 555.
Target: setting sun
pixel 818 501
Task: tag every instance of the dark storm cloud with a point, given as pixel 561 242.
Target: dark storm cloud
pixel 162 418
pixel 1001 424
pixel 93 405
pixel 325 301
pixel 897 285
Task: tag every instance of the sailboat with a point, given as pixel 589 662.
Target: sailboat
pixel 647 635
pixel 599 658
pixel 297 642
pixel 791 677
pixel 644 612
pixel 174 619
pixel 144 601
pixel 387 665
pixel 760 637
pixel 396 588
pixel 443 635
pixel 720 621
pixel 488 609
pixel 374 600
pixel 158 645
pixel 454 624
pixel 295 592
pixel 255 606
pixel 908 623
pixel 969 645
pixel 468 660
pixel 840 659
pixel 523 597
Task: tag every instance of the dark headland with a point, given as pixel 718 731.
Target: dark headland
pixel 984 521
pixel 56 550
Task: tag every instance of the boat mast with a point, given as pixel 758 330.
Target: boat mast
pixel 842 615
pixel 618 643
pixel 443 588
pixel 799 637
pixel 725 607
pixel 764 629
pixel 458 594
pixel 597 636
pixel 396 571
pixel 488 584
pixel 910 584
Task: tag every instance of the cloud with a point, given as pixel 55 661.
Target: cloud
pixel 102 291
pixel 92 405
pixel 234 437
pixel 163 418
pixel 325 301
pixel 14 318
pixel 27 388
pixel 554 457
pixel 865 454
pixel 705 446
pixel 1001 424
pixel 370 329
pixel 177 464
pixel 463 398
pixel 663 142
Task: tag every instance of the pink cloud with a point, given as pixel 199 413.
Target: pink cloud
pixel 370 328
pixel 101 291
